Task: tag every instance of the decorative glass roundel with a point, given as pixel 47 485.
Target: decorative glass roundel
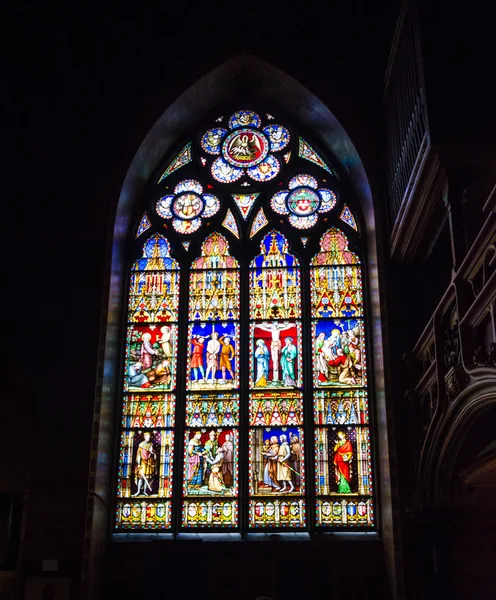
pixel 187 206
pixel 211 140
pixel 303 202
pixel 245 148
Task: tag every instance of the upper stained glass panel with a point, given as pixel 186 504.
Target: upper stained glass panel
pixel 334 250
pixel 150 358
pixel 274 281
pixel 215 254
pixel 339 353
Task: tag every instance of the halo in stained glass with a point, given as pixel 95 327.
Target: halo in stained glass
pixel 303 180
pixel 329 200
pixel 144 225
pixel 278 135
pixel 347 216
pixel 266 170
pixel 163 207
pixel 303 202
pixel 278 203
pixel 303 222
pixel 259 222
pixel 244 118
pixel 186 226
pixel 245 147
pixel 225 173
pixel 230 223
pixel 183 158
pixel 187 206
pixel 245 203
pixel 188 185
pixel 308 153
pixel 211 140
pixel 212 205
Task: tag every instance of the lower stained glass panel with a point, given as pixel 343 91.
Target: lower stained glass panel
pixel 276 461
pixel 358 512
pixel 336 407
pixel 276 408
pixel 342 457
pixel 211 462
pixel 148 412
pixel 210 513
pixel 277 513
pixel 343 476
pixel 145 464
pixel 143 514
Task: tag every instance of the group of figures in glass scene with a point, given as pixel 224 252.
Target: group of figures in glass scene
pixel 338 353
pixel 276 460
pixel 210 463
pixel 151 357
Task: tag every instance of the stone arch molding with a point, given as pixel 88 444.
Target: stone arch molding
pixel 437 474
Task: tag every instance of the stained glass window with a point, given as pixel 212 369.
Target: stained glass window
pixel 245 396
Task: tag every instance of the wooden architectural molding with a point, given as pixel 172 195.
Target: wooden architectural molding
pixel 426 185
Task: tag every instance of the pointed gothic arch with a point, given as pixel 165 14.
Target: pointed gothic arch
pixel 265 84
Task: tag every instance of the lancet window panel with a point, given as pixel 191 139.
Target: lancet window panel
pixel 343 465
pixel 146 450
pixel 211 439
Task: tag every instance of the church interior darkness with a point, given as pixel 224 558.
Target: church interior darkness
pixel 398 98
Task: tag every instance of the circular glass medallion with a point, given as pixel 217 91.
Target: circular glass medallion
pixel 188 185
pixel 266 170
pixel 301 180
pixel 278 135
pixel 303 202
pixel 329 200
pixel 245 148
pixel 244 118
pixel 187 206
pixel 212 205
pixel 278 203
pixel 303 222
pixel 225 173
pixel 186 226
pixel 211 139
pixel 164 207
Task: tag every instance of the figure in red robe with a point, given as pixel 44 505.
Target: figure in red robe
pixel 197 357
pixel 343 451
